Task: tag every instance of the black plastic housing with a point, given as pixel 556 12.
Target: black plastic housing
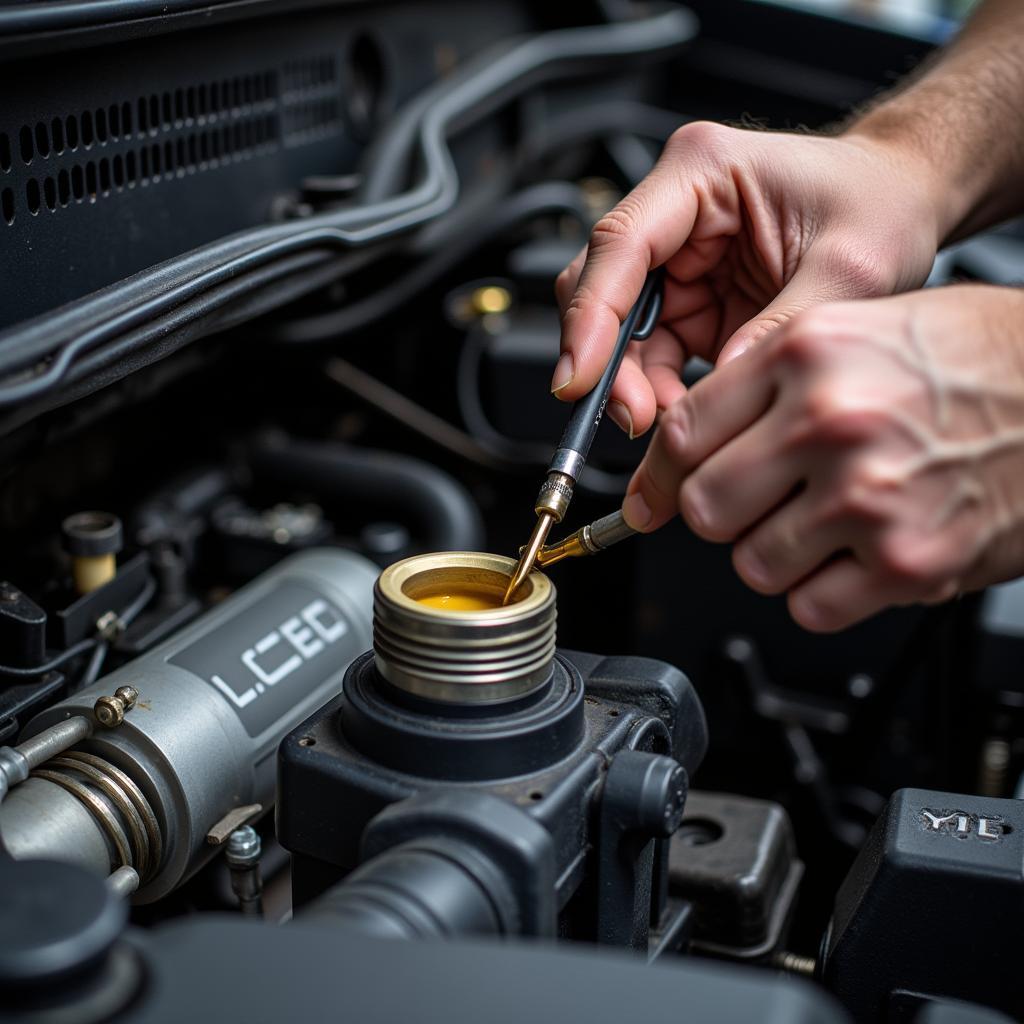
pixel 735 859
pixel 931 908
pixel 428 772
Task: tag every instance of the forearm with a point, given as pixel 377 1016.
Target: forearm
pixel 960 123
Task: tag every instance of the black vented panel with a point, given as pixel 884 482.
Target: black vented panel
pixel 310 100
pixel 116 158
pixel 90 155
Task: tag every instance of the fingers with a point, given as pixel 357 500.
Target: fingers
pixel 837 596
pixel 713 412
pixel 643 231
pixel 662 358
pixel 650 376
pixel 740 484
pixel 565 283
pixel 631 403
pixel 790 544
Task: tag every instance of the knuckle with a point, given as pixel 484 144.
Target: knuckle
pixel 843 420
pixel 859 269
pixel 816 321
pixel 616 228
pixel 821 405
pixel 571 312
pixel 908 565
pixel 703 136
pixel 582 299
pixel 866 491
pixel 753 559
pixel 801 341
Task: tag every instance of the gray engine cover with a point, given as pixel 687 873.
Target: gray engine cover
pixel 214 703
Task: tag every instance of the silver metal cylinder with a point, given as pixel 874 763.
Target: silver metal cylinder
pixel 214 703
pixel 609 530
pixel 440 630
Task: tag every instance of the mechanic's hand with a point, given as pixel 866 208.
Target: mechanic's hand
pixel 862 455
pixel 752 228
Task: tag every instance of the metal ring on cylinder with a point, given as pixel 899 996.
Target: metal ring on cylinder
pixel 484 656
pixel 122 811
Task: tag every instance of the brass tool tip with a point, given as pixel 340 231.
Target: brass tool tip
pixel 571 547
pixel 528 558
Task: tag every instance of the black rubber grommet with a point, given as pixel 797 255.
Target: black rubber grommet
pixel 92 534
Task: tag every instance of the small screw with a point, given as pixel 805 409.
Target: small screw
pixel 110 626
pixel 244 847
pixel 110 711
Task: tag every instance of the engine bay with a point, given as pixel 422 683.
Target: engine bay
pixel 275 343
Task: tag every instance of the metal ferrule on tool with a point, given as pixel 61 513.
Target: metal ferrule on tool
pixel 588 540
pixel 571 454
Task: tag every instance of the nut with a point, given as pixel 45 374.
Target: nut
pixel 128 694
pixel 110 711
pixel 110 626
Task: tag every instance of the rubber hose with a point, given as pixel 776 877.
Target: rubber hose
pixel 405 488
pixel 421 889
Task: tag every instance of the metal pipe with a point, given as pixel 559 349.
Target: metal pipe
pixel 55 740
pixel 214 702
pixel 123 882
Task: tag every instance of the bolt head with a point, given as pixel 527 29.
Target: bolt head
pixel 244 846
pixel 128 696
pixel 109 711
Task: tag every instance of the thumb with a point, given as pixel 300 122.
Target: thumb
pixel 827 273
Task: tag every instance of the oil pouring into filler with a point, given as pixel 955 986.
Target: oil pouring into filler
pixel 571 454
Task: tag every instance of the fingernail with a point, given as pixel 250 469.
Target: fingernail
pixel 619 415
pixel 564 373
pixel 635 512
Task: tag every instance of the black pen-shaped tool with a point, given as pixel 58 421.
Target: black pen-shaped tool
pixel 571 454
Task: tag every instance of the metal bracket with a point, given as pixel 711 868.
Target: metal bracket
pixel 238 816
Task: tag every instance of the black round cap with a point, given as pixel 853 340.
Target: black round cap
pixel 92 533
pixel 662 797
pixel 55 919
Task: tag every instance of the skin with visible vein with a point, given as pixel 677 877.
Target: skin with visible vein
pixel 857 454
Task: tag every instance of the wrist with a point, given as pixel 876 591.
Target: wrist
pixel 939 205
